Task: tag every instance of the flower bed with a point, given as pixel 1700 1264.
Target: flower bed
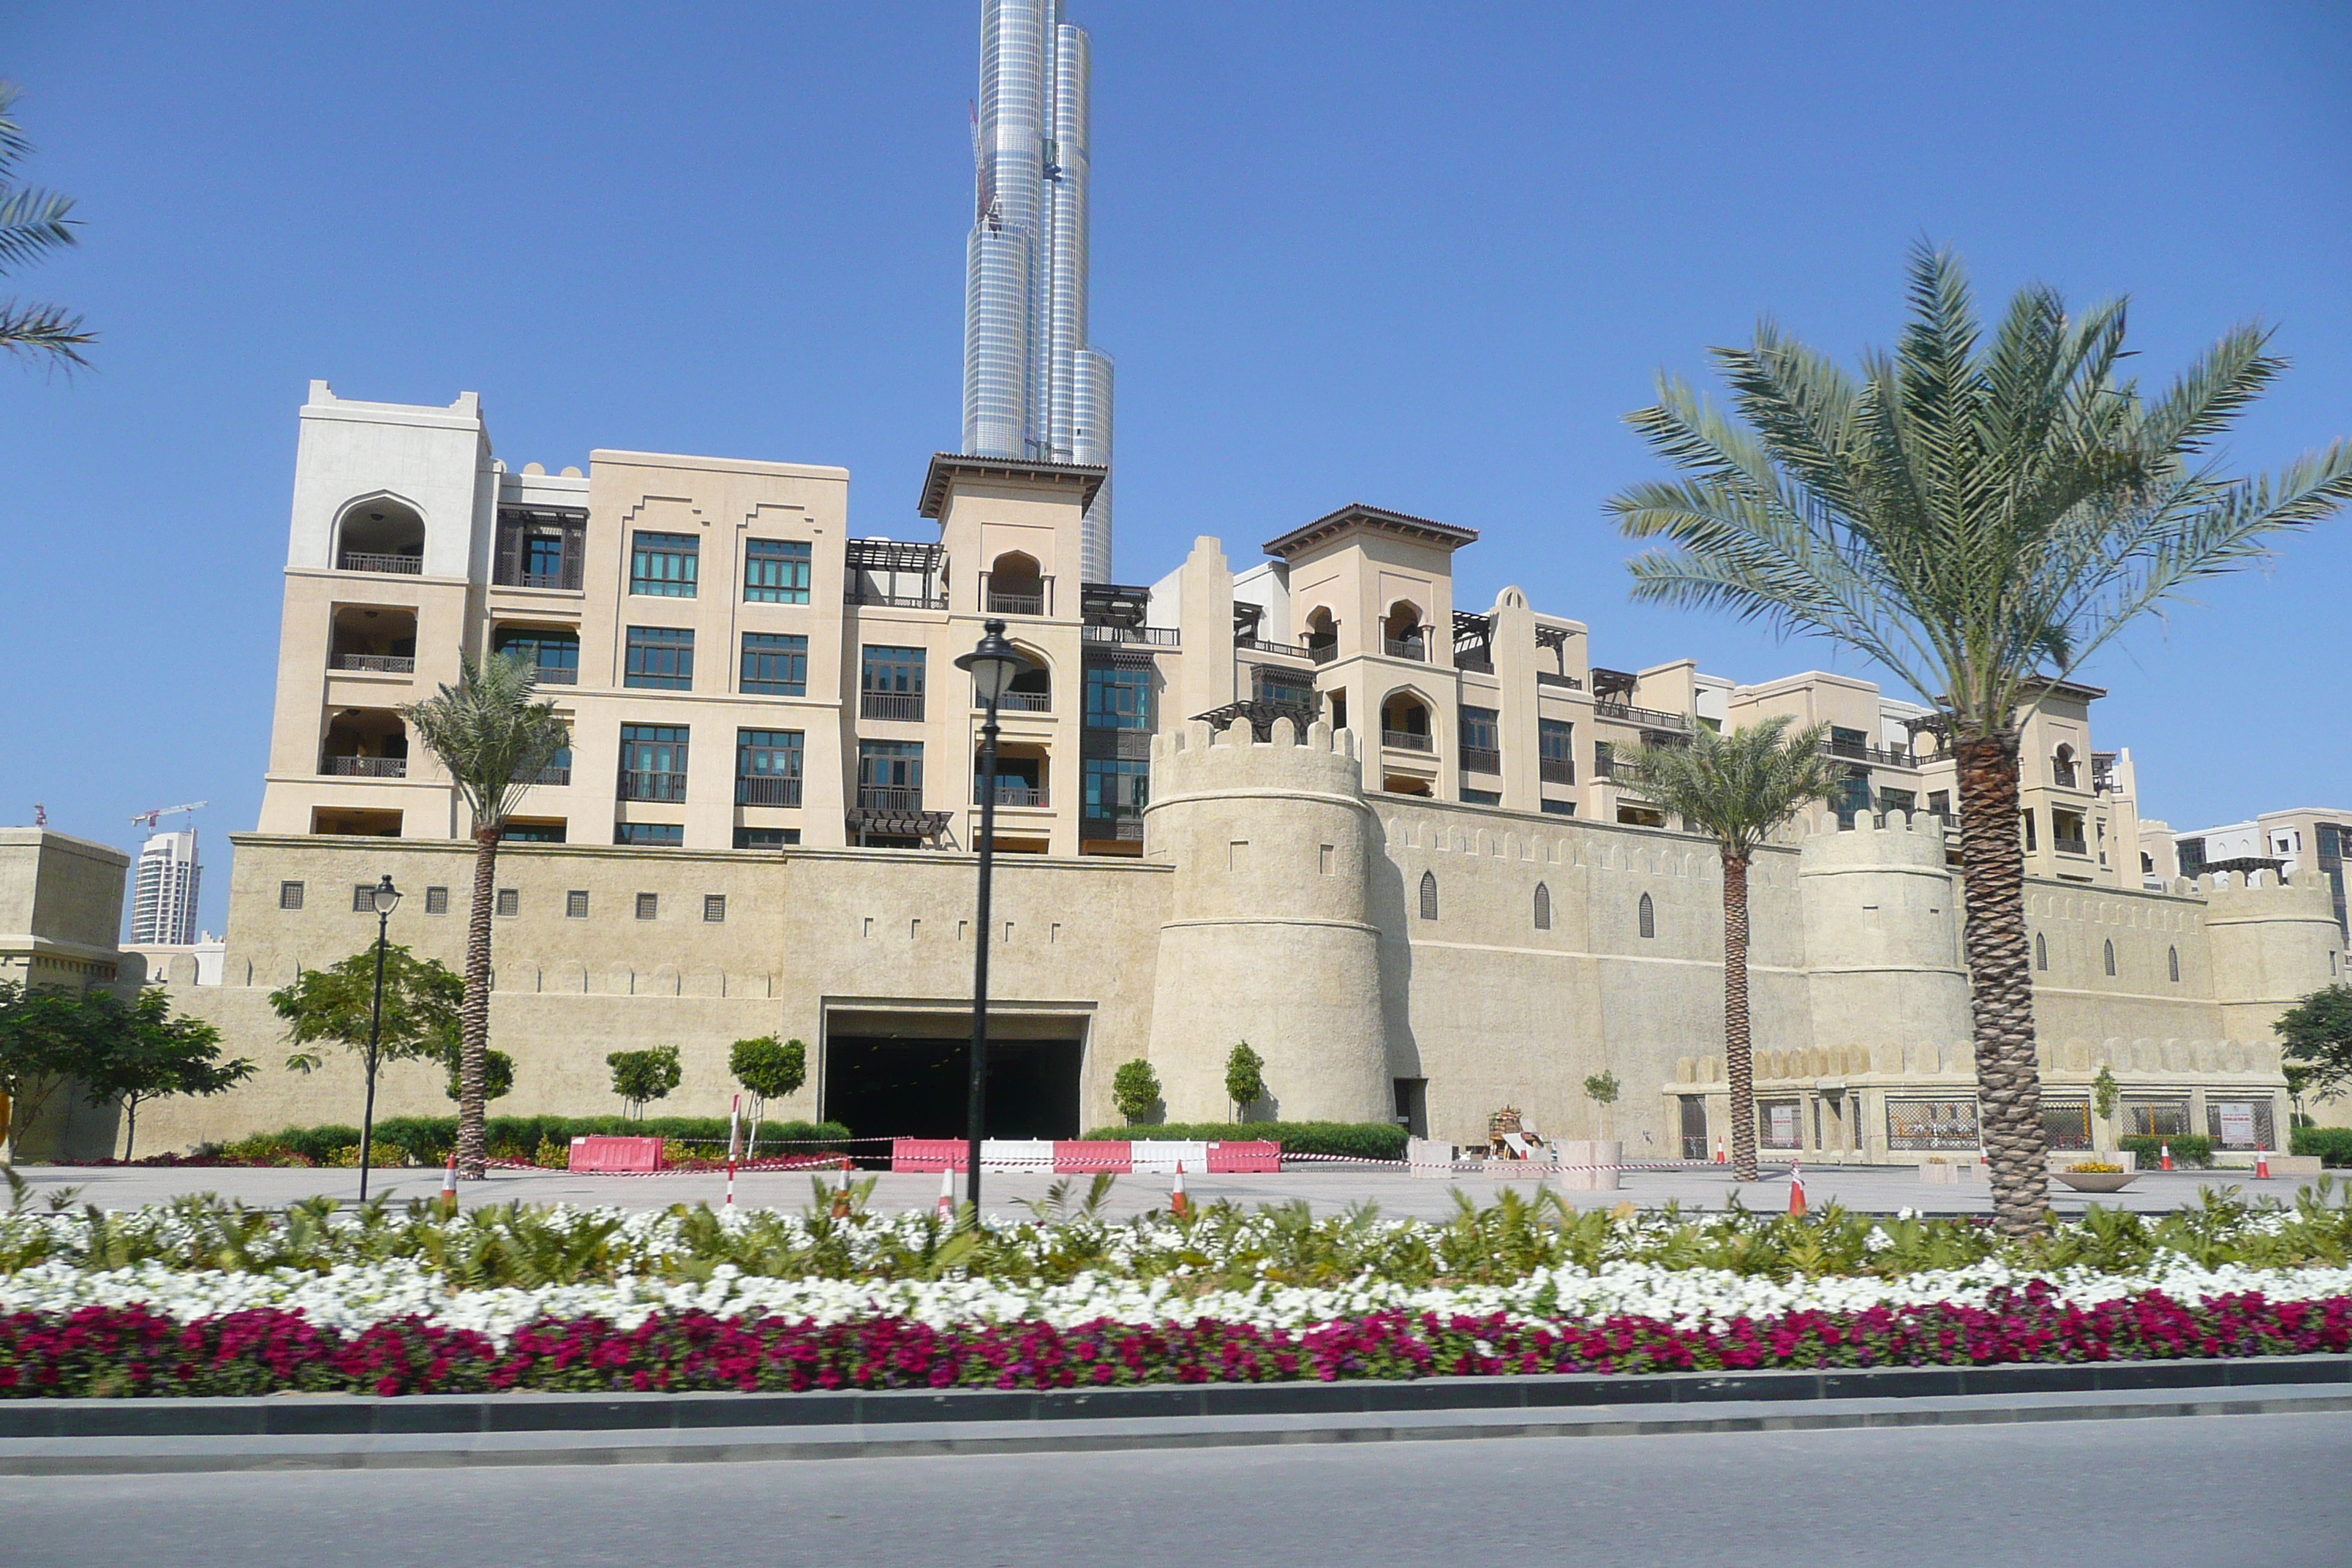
pixel 201 1297
pixel 132 1350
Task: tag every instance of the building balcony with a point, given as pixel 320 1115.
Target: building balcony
pixel 1020 703
pixel 1405 740
pixel 767 789
pixel 1323 652
pixel 906 707
pixel 1413 648
pixel 1012 792
pixel 552 775
pixel 1656 718
pixel 1557 770
pixel 1155 636
pixel 1855 751
pixel 1554 678
pixel 1285 650
pixel 1003 603
pixel 364 767
pixel 894 601
pixel 370 561
pixel 891 798
pixel 556 674
pixel 376 664
pixel 2071 846
pixel 1481 759
pixel 1112 823
pixel 669 788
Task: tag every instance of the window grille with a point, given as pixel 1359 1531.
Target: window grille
pixel 290 895
pixel 437 900
pixel 1648 915
pixel 1779 1124
pixel 648 906
pixel 2111 958
pixel 776 571
pixel 2066 1123
pixel 663 565
pixel 714 907
pixel 575 904
pixel 1932 1124
pixel 364 899
pixel 509 901
pixel 1429 895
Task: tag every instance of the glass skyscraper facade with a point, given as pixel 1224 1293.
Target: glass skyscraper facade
pixel 1033 387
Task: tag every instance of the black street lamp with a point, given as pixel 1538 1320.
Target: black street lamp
pixel 386 899
pixel 992 664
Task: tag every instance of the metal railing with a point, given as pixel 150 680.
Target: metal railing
pixel 895 601
pixel 2071 846
pixel 1323 652
pixel 891 798
pixel 1405 740
pixel 1003 603
pixel 1158 636
pixel 1405 648
pixel 767 789
pixel 1481 759
pixel 641 785
pixel 366 767
pixel 894 705
pixel 1287 649
pixel 1122 823
pixel 368 560
pixel 568 576
pixel 1012 792
pixel 377 663
pixel 1557 770
pixel 2065 777
pixel 1019 702
pixel 1856 751
pixel 561 776
pixel 1654 717
pixel 1482 663
pixel 1554 678
pixel 557 675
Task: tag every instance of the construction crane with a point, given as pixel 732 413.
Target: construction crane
pixel 149 817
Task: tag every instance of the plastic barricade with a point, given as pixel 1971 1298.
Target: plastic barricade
pixel 1237 1159
pixel 932 1154
pixel 1083 1157
pixel 605 1151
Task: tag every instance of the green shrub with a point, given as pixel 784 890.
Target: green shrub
pixel 2187 1148
pixel 2332 1144
pixel 427 1140
pixel 1354 1140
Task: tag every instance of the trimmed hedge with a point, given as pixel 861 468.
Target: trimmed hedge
pixel 2332 1144
pixel 429 1138
pixel 1354 1140
pixel 2187 1148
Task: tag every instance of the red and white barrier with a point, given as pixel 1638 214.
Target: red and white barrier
pixel 1079 1157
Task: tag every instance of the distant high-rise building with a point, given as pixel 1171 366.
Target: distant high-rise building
pixel 1033 387
pixel 164 905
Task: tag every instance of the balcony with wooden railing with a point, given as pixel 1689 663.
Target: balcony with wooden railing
pixel 1481 759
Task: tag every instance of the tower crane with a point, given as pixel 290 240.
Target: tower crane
pixel 149 816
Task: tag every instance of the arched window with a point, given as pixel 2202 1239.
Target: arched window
pixel 2111 958
pixel 2041 951
pixel 2172 963
pixel 2061 768
pixel 1649 916
pixel 1429 895
pixel 1543 907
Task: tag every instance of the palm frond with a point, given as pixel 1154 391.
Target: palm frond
pixel 48 329
pixel 1739 788
pixel 32 224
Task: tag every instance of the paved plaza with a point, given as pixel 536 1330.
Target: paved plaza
pixel 1877 1189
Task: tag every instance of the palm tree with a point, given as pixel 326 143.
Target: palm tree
pixel 495 741
pixel 1979 518
pixel 1738 790
pixel 32 224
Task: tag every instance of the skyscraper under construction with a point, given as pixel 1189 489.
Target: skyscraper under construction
pixel 1033 387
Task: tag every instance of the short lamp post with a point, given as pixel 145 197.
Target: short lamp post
pixel 994 665
pixel 386 899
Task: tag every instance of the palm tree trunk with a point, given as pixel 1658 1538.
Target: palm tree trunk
pixel 2001 984
pixel 474 1014
pixel 1739 1053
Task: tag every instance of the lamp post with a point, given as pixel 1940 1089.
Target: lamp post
pixel 993 664
pixel 386 899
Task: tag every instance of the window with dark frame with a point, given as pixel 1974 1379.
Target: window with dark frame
pixel 1646 916
pixel 776 571
pixel 652 834
pixel 1119 696
pixel 363 898
pixel 652 762
pixel 714 908
pixel 768 767
pixel 437 900
pixel 1429 895
pixel 290 895
pixel 766 837
pixel 775 664
pixel 1543 907
pixel 664 566
pixel 575 904
pixel 659 659
pixel 509 901
pixel 648 906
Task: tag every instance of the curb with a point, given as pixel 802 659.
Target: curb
pixel 335 1431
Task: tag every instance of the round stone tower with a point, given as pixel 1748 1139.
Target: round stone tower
pixel 1266 939
pixel 1883 936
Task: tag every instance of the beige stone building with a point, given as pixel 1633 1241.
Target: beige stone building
pixel 1309 802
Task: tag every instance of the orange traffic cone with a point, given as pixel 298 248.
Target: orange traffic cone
pixel 1177 1202
pixel 2262 1164
pixel 841 1193
pixel 1718 1148
pixel 449 1186
pixel 1796 1188
pixel 2164 1154
pixel 946 1192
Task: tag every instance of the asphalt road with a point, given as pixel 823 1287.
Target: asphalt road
pixel 2150 1493
pixel 1879 1189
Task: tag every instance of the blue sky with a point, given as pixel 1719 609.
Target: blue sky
pixel 1425 256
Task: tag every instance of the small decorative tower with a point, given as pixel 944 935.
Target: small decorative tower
pixel 1266 939
pixel 1881 935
